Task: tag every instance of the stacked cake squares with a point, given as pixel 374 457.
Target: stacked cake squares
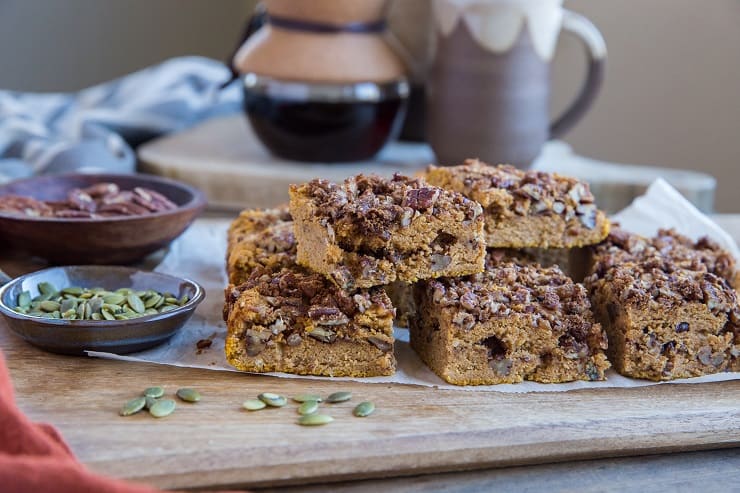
pixel 481 263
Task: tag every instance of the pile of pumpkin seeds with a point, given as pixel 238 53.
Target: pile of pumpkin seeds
pixel 152 400
pixel 76 303
pixel 308 406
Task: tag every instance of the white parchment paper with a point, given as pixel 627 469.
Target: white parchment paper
pixel 199 255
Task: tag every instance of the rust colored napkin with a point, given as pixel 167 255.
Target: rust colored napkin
pixel 34 457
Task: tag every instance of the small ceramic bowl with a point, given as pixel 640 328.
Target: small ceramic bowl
pixel 113 240
pixel 115 336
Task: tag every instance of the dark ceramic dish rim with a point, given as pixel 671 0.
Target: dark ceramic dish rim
pixel 11 313
pixel 329 91
pixel 197 198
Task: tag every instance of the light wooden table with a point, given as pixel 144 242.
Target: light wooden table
pixel 419 439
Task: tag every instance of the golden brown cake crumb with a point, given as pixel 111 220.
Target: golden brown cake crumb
pixel 509 324
pixel 259 238
pixel 524 209
pixel 667 305
pixel 371 231
pixel 298 322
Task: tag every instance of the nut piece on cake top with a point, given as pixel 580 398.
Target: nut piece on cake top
pixel 371 231
pixel 526 208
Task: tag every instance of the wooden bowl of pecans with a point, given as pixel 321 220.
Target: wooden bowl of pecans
pixel 95 218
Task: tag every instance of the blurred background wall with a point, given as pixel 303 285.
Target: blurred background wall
pixel 671 96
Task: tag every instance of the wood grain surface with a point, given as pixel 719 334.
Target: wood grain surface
pixel 415 430
pixel 709 470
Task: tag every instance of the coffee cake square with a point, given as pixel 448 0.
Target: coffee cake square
pixel 371 231
pixel 667 305
pixel 509 324
pixel 526 209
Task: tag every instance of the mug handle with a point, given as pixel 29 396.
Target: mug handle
pixel 596 50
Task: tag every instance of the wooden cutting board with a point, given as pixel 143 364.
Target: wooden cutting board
pixel 224 158
pixel 415 430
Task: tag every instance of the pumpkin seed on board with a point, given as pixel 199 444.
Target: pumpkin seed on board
pixel 308 407
pixel 307 397
pixel 272 400
pixel 253 405
pixel 162 408
pixel 339 397
pixel 155 392
pixel 315 420
pixel 364 409
pixel 133 406
pixel 188 395
pixel 150 401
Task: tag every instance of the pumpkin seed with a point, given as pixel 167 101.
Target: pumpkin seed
pixel 272 400
pixel 46 288
pixel 150 401
pixel 364 409
pixel 114 299
pixel 188 395
pixel 162 408
pixel 315 419
pixel 49 306
pixel 253 405
pixel 24 299
pixel 68 304
pixel 133 406
pixel 76 303
pixel 95 305
pixel 307 397
pixel 152 301
pixel 155 392
pixel 135 303
pixel 339 397
pixel 308 407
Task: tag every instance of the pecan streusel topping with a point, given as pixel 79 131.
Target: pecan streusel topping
pixel 372 206
pixel 509 191
pixel 546 294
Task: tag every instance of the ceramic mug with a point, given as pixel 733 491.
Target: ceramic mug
pixel 489 83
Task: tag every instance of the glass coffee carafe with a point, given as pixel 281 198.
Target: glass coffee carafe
pixel 320 82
